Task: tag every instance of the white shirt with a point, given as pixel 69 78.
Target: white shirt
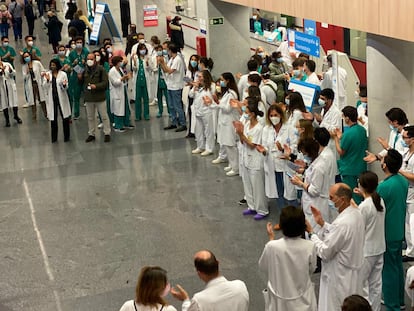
pixel 341 247
pixel 395 142
pixel 374 227
pixel 313 79
pixel 175 80
pixel 408 280
pixel 242 85
pixel 129 306
pixel 252 158
pixel 408 166
pixel 200 109
pixel 288 264
pixel 269 88
pixel 220 295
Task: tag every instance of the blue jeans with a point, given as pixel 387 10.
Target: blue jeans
pixel 17 27
pixel 4 30
pixel 176 107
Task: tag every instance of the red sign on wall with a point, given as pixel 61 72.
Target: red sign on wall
pixel 150 15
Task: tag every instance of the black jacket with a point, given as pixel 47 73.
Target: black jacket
pixel 54 27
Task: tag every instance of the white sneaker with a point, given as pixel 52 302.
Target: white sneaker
pixel 227 168
pixel 25 105
pixel 218 161
pixel 153 103
pixel 119 130
pixel 197 151
pixel 100 125
pixel 232 173
pixel 206 153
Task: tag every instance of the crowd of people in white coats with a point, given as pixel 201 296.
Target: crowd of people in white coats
pixel 313 163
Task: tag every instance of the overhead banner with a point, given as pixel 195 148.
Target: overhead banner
pixel 150 15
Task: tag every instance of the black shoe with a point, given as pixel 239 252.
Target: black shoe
pixel 7 124
pixel 181 128
pixel 242 202
pixel 170 127
pixel 89 139
pixel 406 258
pixel 18 120
pixel 190 135
pixel 107 138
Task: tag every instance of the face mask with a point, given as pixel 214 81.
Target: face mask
pixel 98 58
pixel 321 102
pixel 142 52
pixel 254 17
pixel 296 132
pixel 78 45
pixel 179 22
pixel 392 128
pixel 142 41
pixel 73 46
pixel 199 68
pixel 296 72
pixel 223 83
pixel 164 52
pixel 404 144
pixel 123 65
pixel 193 63
pixel 166 290
pixel 27 59
pixel 61 53
pixel 52 68
pixel 331 205
pixel 364 105
pixel 109 50
pixel 90 62
pixel 279 60
pixel 246 116
pixel 287 101
pixel 5 44
pixel 159 53
pixel 307 159
pixel 243 108
pixel 30 43
pixel 275 120
pixel 261 54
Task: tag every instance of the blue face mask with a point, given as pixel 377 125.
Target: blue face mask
pixel 331 205
pixel 199 68
pixel 287 101
pixel 321 102
pixel 165 52
pixel 392 128
pixel 223 83
pixel 27 59
pixel 261 54
pixel 307 159
pixel 404 144
pixel 159 53
pixel 246 116
pixel 364 105
pixel 296 72
pixel 193 63
pixel 243 108
pixel 296 132
pixel 279 60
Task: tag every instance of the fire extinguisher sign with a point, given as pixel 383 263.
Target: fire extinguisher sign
pixel 150 15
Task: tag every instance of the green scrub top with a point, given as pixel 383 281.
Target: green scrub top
pixel 354 142
pixel 30 51
pixel 4 51
pixel 81 57
pixel 393 190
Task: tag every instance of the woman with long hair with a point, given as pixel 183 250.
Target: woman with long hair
pixel 152 287
pixel 372 208
pixel 191 75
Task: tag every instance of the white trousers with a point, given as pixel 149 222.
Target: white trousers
pixel 222 152
pixel 409 229
pixel 233 156
pixel 371 280
pixel 204 132
pixel 254 190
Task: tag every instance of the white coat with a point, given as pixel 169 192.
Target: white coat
pixel 117 92
pixel 28 88
pixel 318 178
pixel 129 306
pixel 313 79
pixel 147 71
pixel 200 109
pixel 341 248
pixel 273 163
pixel 220 295
pixel 289 264
pixel 226 135
pixel 8 98
pixel 340 98
pixel 62 94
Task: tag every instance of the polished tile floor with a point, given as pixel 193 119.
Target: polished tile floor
pixel 79 220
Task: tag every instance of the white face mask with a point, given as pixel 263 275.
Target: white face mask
pixel 142 41
pixel 73 46
pixel 90 62
pixel 98 58
pixel 61 53
pixel 275 120
pixel 78 45
pixel 30 43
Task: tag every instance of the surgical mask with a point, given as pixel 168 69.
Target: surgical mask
pixel 307 158
pixel 193 63
pixel 199 68
pixel 179 22
pixel 109 50
pixel 223 83
pixel 279 60
pixel 392 128
pixel 246 116
pixel 142 52
pixel 261 54
pixel 98 59
pixel 404 144
pixel 287 101
pixel 296 132
pixel 61 53
pixel 30 43
pixel 73 46
pixel 254 17
pixel 90 62
pixel 27 59
pixel 321 102
pixel 142 41
pixel 275 120
pixel 166 290
pixel 364 105
pixel 296 72
pixel 78 45
pixel 243 108
pixel 5 44
pixel 331 205
pixel 164 52
pixel 159 53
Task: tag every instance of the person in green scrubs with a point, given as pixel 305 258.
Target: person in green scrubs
pixel 351 146
pixel 7 53
pixel 77 59
pixel 393 190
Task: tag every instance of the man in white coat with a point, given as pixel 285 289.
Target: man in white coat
pixel 219 293
pixel 327 82
pixel 341 247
